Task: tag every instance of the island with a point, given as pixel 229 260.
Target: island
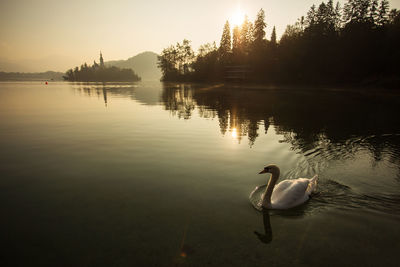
pixel 100 73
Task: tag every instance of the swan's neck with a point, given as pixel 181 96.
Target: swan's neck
pixel 266 202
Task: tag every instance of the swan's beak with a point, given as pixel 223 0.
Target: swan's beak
pixel 261 172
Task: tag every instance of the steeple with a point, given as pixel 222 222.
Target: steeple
pixel 101 60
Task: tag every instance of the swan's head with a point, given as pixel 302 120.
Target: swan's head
pixel 271 168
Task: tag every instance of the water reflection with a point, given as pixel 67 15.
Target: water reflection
pixel 321 124
pixel 325 124
pixel 353 129
pixel 303 116
pixel 179 100
pixel 266 237
pixel 72 169
pixel 105 95
pixel 214 101
pixel 147 94
pixel 349 129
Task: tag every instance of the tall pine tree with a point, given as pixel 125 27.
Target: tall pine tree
pixel 273 37
pixel 383 13
pixel 259 28
pixel 246 35
pixel 236 40
pixel 225 47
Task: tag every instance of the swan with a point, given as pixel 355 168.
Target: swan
pixel 287 194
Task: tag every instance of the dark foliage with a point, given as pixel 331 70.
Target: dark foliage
pixel 31 76
pixel 356 44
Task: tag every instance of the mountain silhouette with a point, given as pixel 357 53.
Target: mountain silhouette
pixel 143 64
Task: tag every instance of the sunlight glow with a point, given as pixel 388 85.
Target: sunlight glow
pixel 237 17
pixel 234 133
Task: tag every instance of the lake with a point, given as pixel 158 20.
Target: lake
pixel 153 174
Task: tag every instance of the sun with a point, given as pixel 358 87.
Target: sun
pixel 237 17
pixel 234 133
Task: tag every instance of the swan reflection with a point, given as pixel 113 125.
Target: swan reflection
pixel 267 236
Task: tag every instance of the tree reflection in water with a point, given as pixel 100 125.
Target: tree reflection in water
pixel 325 127
pixel 328 124
pixel 329 120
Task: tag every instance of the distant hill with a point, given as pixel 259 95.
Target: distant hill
pixel 143 64
pixel 53 62
pixel 31 76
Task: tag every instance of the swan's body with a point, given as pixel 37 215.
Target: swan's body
pixel 287 194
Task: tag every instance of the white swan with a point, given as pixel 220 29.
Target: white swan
pixel 287 194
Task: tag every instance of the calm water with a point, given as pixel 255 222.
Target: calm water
pixel 160 175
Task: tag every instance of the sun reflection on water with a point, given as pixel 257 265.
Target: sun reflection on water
pixel 234 133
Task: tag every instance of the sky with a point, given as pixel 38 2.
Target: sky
pixel 56 35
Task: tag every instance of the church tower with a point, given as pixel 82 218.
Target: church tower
pixel 101 60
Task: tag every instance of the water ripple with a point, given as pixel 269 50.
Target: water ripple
pixel 331 194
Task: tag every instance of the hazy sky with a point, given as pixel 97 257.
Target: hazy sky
pixel 64 32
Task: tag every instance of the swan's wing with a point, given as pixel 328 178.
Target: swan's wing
pixel 290 193
pixel 312 185
pixel 281 187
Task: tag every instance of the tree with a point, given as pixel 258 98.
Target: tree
pixel 338 17
pixel 246 35
pixel 69 75
pixel 206 49
pixel 383 13
pixel 273 37
pixel 206 66
pixel 101 60
pixel 76 73
pixel 330 12
pixel 394 16
pixel 175 61
pixel 236 40
pixel 356 44
pixel 356 11
pixel 185 56
pixel 225 47
pixel 311 16
pixel 292 32
pixel 373 11
pixel 259 28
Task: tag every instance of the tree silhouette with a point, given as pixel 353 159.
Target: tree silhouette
pixel 259 28
pixel 246 35
pixel 383 12
pixel 225 48
pixel 356 44
pixel 236 41
pixel 176 61
pixel 273 37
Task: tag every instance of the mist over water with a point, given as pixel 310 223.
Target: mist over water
pixel 160 174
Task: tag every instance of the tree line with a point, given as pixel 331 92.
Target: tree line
pixel 100 73
pixel 331 44
pixel 30 76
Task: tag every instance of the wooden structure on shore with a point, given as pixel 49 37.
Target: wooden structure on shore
pixel 237 73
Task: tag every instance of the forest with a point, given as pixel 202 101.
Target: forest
pixel 100 73
pixel 357 43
